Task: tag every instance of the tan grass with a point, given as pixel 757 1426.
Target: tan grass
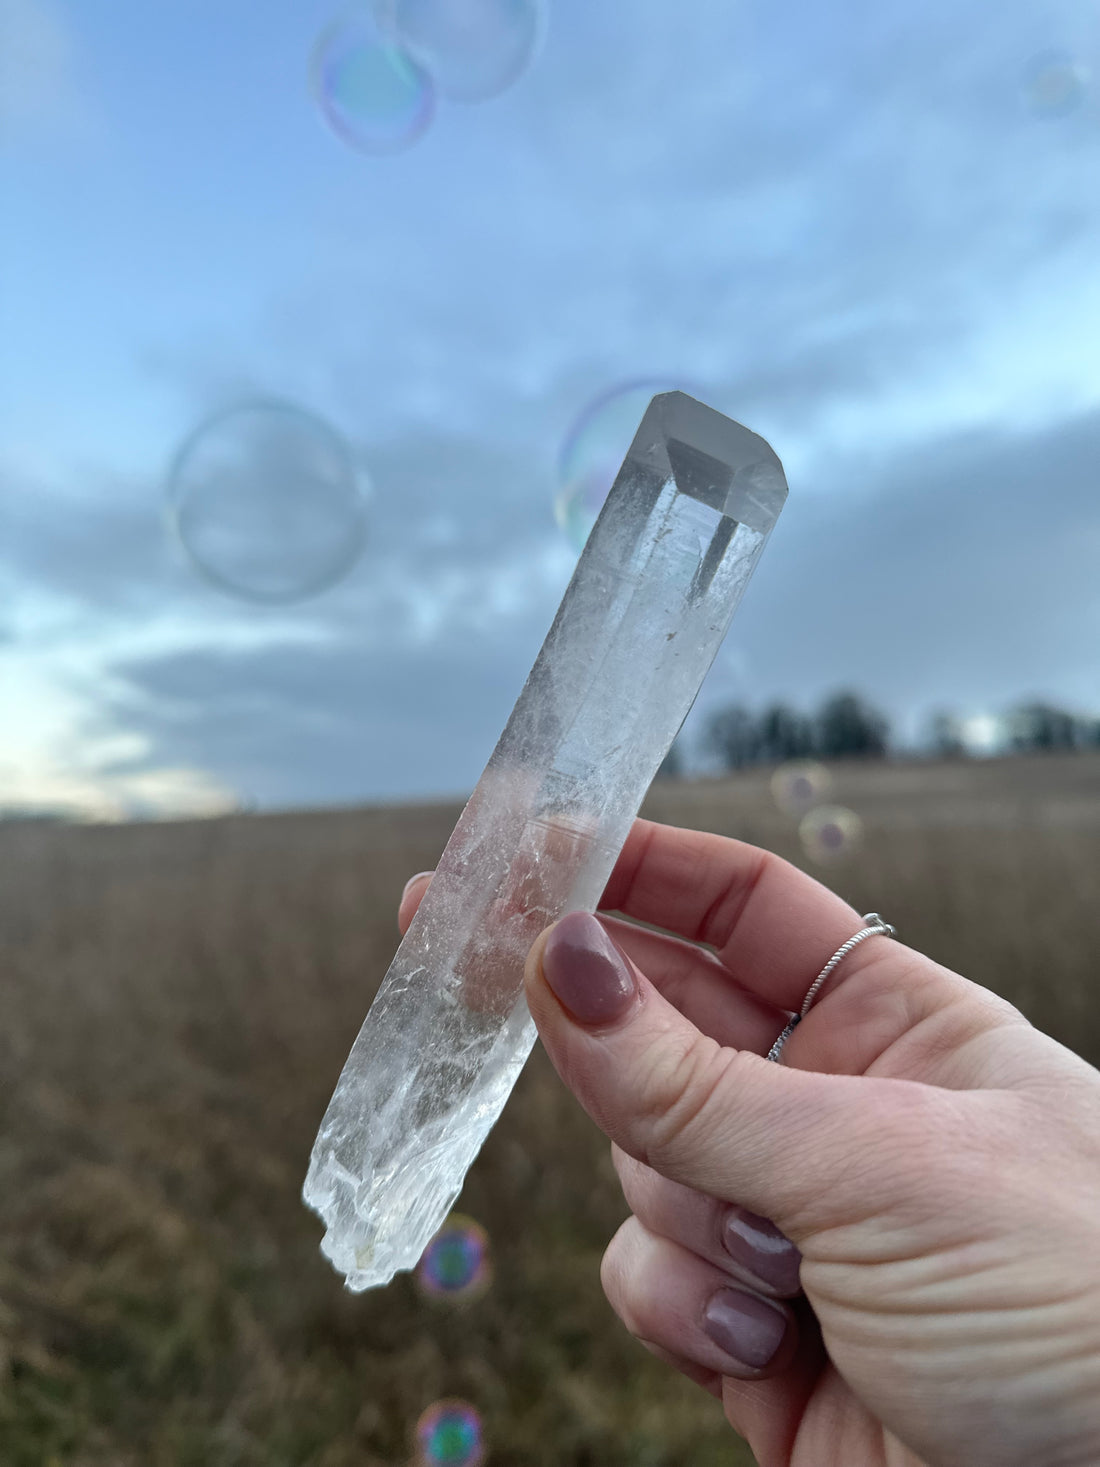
pixel 175 1004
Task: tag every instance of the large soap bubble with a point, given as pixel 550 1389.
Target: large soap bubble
pixel 268 502
pixel 593 450
pixel 473 49
pixel 370 91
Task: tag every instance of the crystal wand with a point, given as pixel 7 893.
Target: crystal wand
pixel 642 619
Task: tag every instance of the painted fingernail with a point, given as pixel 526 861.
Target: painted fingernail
pixel 747 1328
pixel 758 1245
pixel 420 875
pixel 587 971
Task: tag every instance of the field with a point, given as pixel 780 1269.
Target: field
pixel 175 1005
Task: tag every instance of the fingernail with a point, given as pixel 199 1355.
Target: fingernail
pixel 747 1328
pixel 586 970
pixel 420 875
pixel 758 1245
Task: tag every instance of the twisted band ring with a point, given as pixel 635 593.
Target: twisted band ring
pixel 874 926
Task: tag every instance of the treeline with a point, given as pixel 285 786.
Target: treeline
pixel 847 726
pixel 1027 728
pixel 844 727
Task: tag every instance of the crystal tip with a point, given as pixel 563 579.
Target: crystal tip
pixel 712 459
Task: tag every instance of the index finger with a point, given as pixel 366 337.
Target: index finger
pixel 773 926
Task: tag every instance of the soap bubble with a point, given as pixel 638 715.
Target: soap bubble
pixel 797 786
pixel 593 450
pixel 1054 84
pixel 449 1435
pixel 830 832
pixel 267 502
pixel 370 91
pixel 455 1264
pixel 472 49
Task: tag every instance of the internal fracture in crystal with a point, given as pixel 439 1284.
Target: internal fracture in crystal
pixel 653 594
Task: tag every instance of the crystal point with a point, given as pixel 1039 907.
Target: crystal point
pixel 641 621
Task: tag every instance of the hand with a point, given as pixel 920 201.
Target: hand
pixel 922 1164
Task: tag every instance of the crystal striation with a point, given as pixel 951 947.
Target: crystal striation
pixel 449 1030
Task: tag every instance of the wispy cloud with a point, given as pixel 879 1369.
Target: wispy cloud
pixel 963 573
pixel 847 228
pixel 42 90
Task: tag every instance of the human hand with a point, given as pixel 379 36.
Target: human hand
pixel 933 1158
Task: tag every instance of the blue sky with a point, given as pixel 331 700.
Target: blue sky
pixel 845 223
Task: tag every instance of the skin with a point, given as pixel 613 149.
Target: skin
pixel 935 1159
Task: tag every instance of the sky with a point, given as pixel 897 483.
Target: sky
pixel 853 228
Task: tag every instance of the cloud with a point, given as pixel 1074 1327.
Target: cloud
pixel 804 226
pixel 848 231
pixel 100 544
pixel 458 580
pixel 49 761
pixel 287 725
pixel 458 531
pixel 963 574
pixel 41 93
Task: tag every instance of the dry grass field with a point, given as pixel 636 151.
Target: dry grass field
pixel 175 1005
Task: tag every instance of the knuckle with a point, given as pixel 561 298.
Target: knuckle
pixel 632 1176
pixel 682 1094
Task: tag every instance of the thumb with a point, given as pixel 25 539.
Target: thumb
pixel 792 1145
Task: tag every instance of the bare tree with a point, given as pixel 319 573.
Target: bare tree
pixel 732 733
pixel 673 766
pixel 785 734
pixel 849 728
pixel 1036 726
pixel 945 735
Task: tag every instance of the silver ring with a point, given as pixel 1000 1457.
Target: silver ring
pixel 873 926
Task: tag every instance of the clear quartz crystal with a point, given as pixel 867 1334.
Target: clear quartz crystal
pixel 449 1030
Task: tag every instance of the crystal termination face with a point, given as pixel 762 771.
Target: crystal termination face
pixel 652 596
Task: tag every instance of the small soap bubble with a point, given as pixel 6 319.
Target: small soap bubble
pixel 370 91
pixel 455 1265
pixel 593 450
pixel 799 785
pixel 268 502
pixel 1055 84
pixel 472 49
pixel 449 1434
pixel 830 832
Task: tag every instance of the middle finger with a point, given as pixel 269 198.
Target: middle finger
pixel 674 1300
pixel 747 1247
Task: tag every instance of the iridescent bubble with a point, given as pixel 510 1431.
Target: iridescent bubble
pixel 830 832
pixel 371 92
pixel 268 502
pixel 472 49
pixel 1055 84
pixel 594 448
pixel 798 785
pixel 456 1264
pixel 449 1435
